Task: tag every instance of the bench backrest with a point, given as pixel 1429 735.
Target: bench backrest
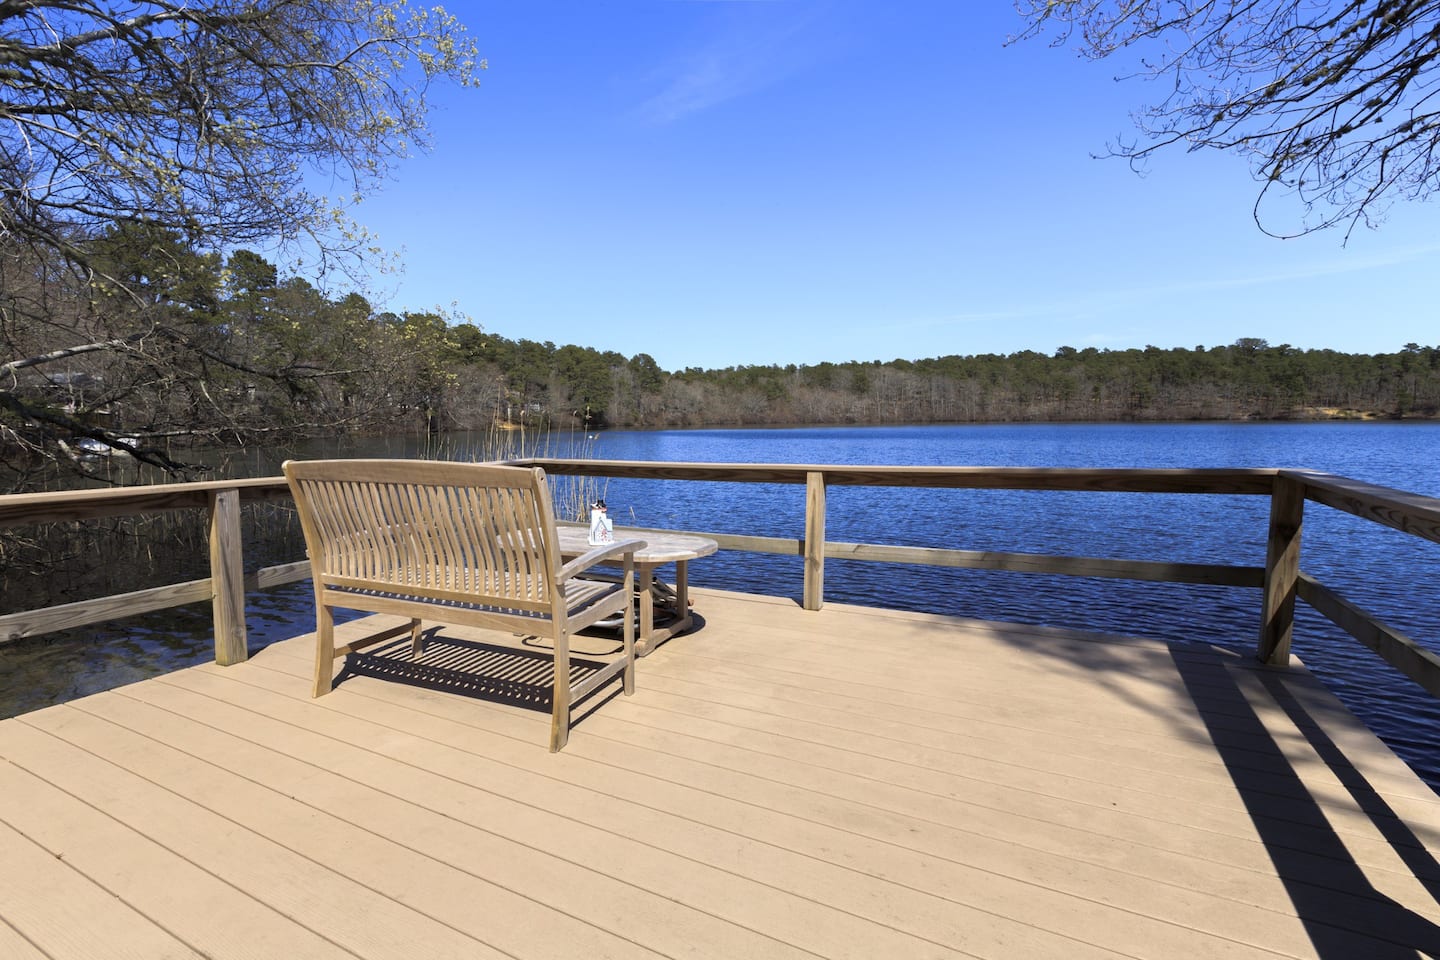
pixel 467 532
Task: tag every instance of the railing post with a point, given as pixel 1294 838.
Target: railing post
pixel 814 540
pixel 227 577
pixel 1282 569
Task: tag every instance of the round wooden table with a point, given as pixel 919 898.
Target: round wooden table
pixel 660 549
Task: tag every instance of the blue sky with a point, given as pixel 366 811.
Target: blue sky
pixel 722 182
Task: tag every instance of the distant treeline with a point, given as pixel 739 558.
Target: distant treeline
pixel 498 379
pixel 198 350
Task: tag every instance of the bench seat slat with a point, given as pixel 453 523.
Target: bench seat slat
pixel 579 593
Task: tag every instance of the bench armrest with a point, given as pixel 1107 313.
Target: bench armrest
pixel 603 552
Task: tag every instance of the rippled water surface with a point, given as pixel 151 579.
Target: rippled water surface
pixel 1394 576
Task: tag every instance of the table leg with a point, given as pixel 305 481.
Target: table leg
pixel 675 601
pixel 645 577
pixel 683 620
pixel 682 590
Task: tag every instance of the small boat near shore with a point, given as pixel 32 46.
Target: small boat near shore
pixel 92 447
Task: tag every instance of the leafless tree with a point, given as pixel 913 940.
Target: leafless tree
pixel 1333 103
pixel 195 125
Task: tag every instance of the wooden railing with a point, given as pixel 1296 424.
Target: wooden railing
pixel 1284 581
pixel 225 587
pixel 1281 580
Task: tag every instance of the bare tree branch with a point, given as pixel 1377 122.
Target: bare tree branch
pixel 15 365
pixel 139 140
pixel 1333 103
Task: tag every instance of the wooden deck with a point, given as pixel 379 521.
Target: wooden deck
pixel 843 784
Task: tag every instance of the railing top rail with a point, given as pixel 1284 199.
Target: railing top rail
pixel 1110 479
pixel 23 508
pixel 1410 513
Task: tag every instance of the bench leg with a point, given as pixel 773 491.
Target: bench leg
pixel 324 649
pixel 560 711
pixel 415 637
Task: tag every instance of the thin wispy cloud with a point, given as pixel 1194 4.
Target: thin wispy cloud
pixel 970 318
pixel 1089 304
pixel 1095 308
pixel 1309 271
pixel 747 52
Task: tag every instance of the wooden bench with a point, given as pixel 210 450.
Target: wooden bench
pixel 462 543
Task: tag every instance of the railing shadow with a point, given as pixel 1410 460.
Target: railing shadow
pixel 1342 911
pixel 1410 848
pixel 1391 928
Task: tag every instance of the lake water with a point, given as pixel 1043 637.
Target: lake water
pixel 1394 576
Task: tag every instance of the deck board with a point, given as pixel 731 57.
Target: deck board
pixel 847 783
pixel 62 907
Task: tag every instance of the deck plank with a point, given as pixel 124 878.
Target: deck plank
pixel 44 899
pixel 72 823
pixel 570 822
pixel 374 794
pixel 601 785
pixel 1191 866
pixel 347 916
pixel 847 783
pixel 13 946
pixel 253 788
pixel 1012 885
